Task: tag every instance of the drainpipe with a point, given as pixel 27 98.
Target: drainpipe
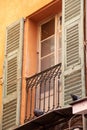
pixel 85 38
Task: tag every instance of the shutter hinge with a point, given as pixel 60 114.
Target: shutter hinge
pixel 1 80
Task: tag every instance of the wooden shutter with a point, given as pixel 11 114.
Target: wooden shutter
pixel 73 50
pixel 12 76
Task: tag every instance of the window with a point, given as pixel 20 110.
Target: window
pixel 42 44
pixel 50 55
pixel 50 42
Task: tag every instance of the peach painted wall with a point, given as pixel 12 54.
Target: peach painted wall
pixel 29 59
pixel 11 11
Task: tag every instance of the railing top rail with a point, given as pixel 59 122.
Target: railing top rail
pixel 28 78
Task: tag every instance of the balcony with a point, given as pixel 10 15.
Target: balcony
pixel 43 91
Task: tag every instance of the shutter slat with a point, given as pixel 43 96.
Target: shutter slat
pixel 8 125
pixel 13 29
pixel 10 114
pixel 70 45
pixel 11 43
pixel 12 75
pixel 68 7
pixel 72 9
pixel 12 109
pixel 13 38
pixel 72 85
pixel 72 54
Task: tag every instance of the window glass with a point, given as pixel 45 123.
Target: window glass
pixel 47 62
pixel 47 29
pixel 47 46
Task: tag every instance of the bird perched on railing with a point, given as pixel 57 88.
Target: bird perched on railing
pixel 38 112
pixel 74 97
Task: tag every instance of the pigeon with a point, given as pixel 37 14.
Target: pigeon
pixel 74 97
pixel 38 112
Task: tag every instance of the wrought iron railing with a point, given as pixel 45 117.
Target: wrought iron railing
pixel 42 91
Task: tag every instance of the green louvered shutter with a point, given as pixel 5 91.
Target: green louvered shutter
pixel 73 49
pixel 12 76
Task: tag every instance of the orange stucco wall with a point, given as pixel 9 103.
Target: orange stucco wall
pixel 11 11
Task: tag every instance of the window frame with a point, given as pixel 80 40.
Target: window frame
pixel 56 39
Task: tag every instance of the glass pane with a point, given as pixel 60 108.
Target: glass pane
pixel 48 29
pixel 47 46
pixel 47 62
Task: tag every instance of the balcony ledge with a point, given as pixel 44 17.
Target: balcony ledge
pixel 79 106
pixel 58 116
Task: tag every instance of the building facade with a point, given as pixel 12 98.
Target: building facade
pixel 11 12
pixel 43 64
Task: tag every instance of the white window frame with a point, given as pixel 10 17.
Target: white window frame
pixel 56 39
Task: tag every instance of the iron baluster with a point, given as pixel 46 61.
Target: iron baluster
pixel 44 83
pixel 53 92
pixel 40 97
pixel 26 103
pixel 59 89
pixel 35 97
pixel 44 96
pixel 49 95
pixel 30 103
pixel 36 84
pixel 41 80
